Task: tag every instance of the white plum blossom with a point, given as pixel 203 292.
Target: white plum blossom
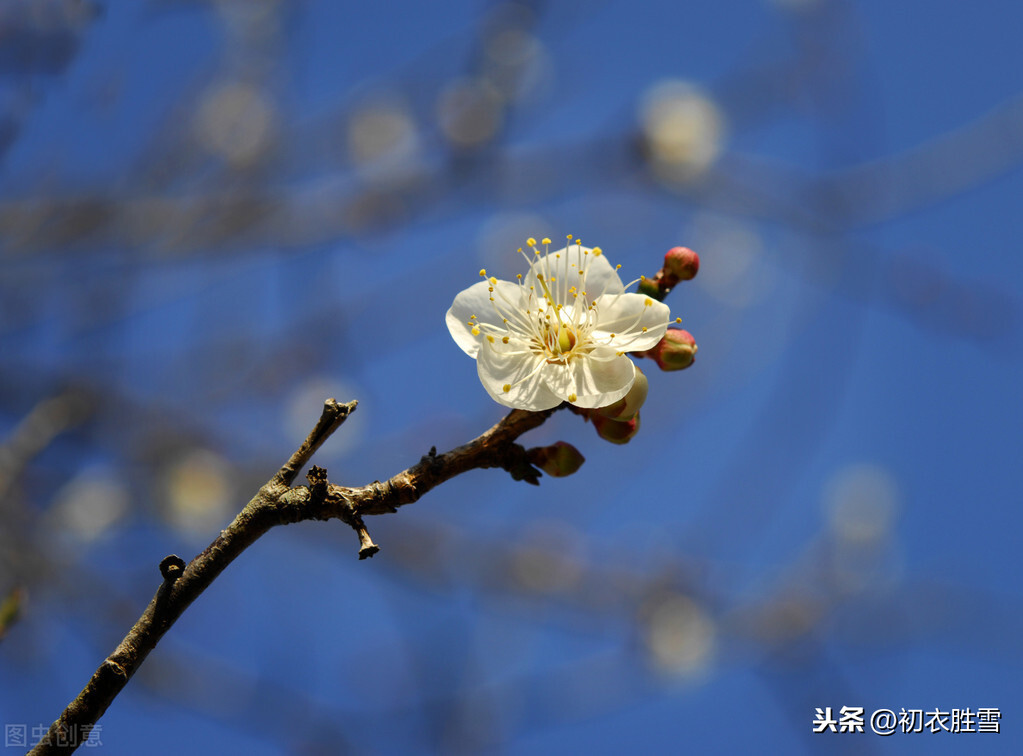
pixel 560 333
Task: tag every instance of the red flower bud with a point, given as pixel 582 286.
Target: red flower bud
pixel 675 351
pixel 681 264
pixel 557 460
pixel 615 431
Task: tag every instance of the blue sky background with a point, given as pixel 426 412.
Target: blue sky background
pixel 213 215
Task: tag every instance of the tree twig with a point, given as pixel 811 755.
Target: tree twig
pixel 276 503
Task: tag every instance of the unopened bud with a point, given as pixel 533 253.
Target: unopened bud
pixel 681 264
pixel 615 431
pixel 675 351
pixel 627 407
pixel 557 460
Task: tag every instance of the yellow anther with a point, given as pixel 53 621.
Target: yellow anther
pixel 545 240
pixel 618 266
pixel 572 397
pixel 642 278
pixel 506 388
pixel 483 272
pixel 504 339
pixel 619 354
pixel 493 281
pixel 475 331
pixel 644 329
pixel 531 241
pixel 597 251
pixel 648 302
pixel 678 320
pixel 490 338
pixel 612 335
pixel 518 276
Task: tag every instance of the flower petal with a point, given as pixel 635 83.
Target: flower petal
pixel 600 276
pixel 625 316
pixel 476 301
pixel 596 380
pixel 520 369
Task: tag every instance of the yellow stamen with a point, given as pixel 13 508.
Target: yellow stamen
pixel 506 388
pixel 572 397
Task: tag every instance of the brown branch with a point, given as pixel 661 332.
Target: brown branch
pixel 277 504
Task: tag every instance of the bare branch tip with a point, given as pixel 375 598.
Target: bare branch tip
pixel 332 405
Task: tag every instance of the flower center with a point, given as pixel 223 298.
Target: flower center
pixel 557 342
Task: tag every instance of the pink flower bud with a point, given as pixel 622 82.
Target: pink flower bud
pixel 615 431
pixel 627 407
pixel 675 351
pixel 681 264
pixel 557 460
